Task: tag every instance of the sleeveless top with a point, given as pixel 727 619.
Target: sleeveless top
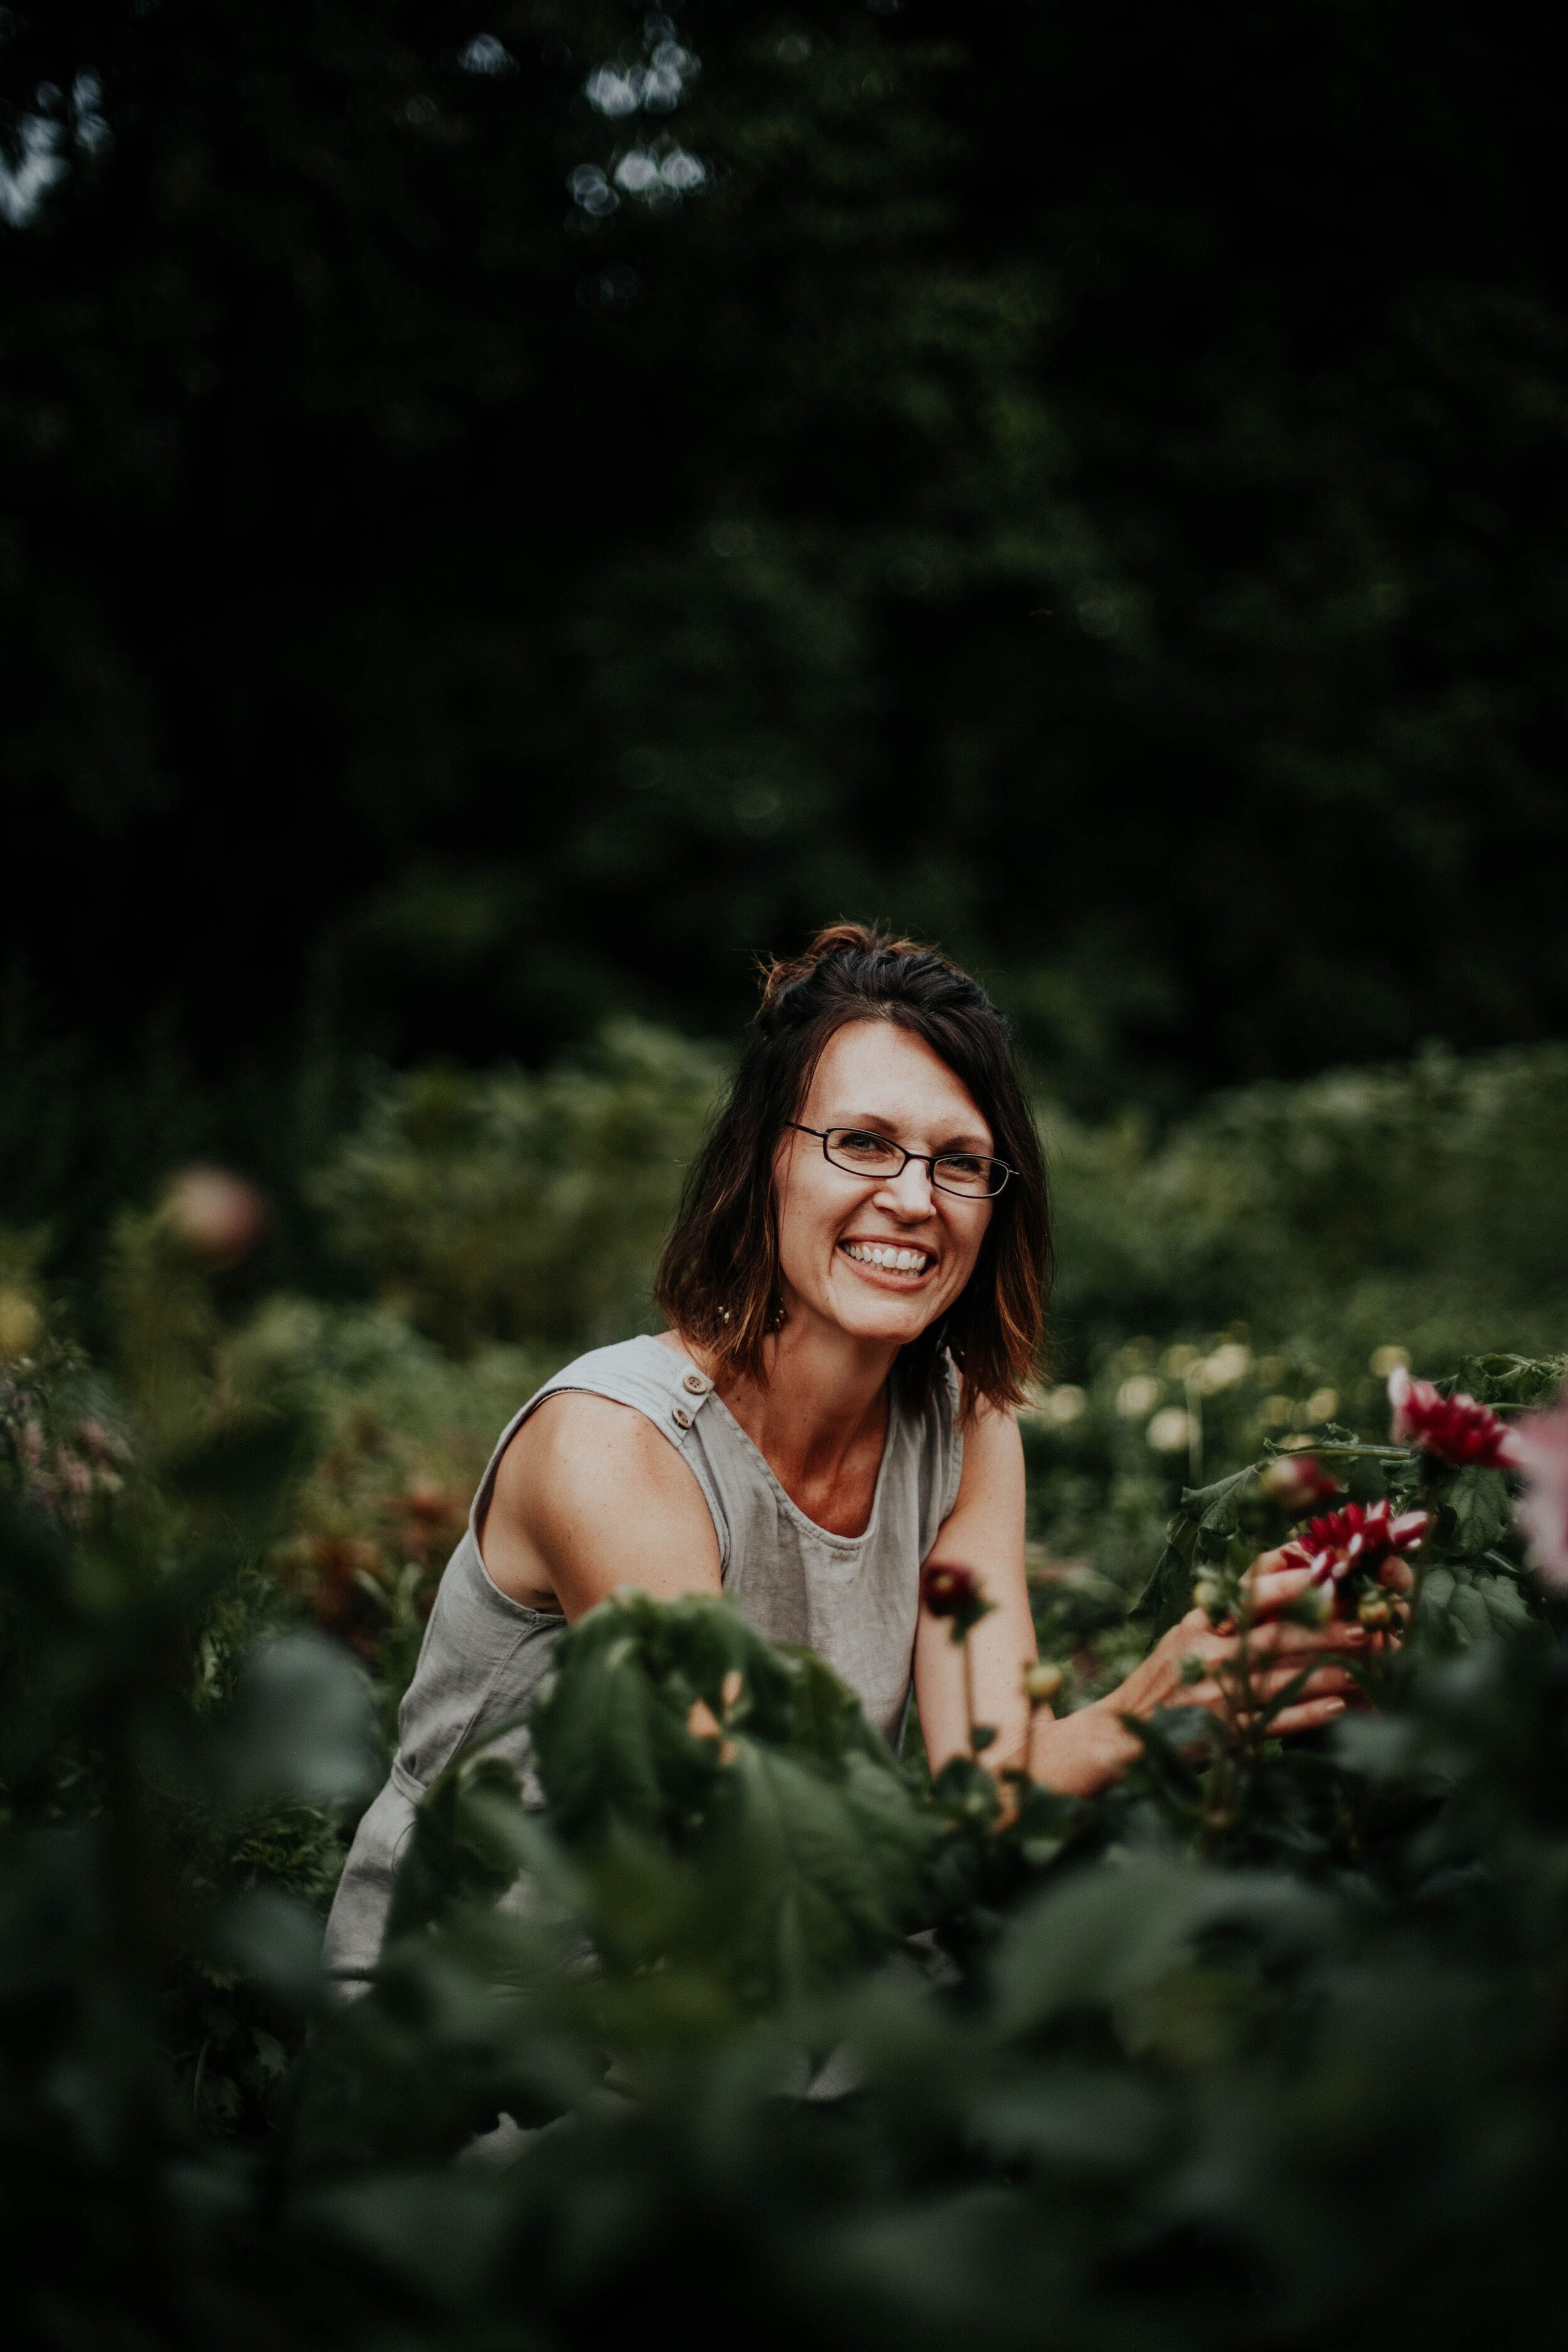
pixel 852 1599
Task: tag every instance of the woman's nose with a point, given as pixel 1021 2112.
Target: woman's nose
pixel 908 1194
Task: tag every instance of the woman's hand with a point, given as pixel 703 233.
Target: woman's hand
pixel 1081 1753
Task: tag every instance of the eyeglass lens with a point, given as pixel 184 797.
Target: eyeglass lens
pixel 862 1154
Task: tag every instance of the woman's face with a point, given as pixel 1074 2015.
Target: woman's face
pixel 836 1230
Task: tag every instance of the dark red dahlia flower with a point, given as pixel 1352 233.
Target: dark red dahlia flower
pixel 1358 1541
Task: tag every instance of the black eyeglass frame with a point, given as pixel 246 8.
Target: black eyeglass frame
pixel 928 1159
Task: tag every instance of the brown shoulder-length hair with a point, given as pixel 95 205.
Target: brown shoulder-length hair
pixel 718 1278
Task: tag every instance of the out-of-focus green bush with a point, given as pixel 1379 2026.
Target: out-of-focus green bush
pixel 1415 1205
pixel 514 1207
pixel 1418 1204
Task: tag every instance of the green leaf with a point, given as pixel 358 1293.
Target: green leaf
pixel 728 1798
pixel 1460 1605
pixel 1088 1944
pixel 1482 1509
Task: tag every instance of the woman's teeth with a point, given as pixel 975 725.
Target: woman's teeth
pixel 891 1260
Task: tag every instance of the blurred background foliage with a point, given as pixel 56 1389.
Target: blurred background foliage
pixel 506 516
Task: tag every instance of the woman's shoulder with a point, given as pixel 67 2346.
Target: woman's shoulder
pixel 627 1395
pixel 593 1473
pixel 645 1372
pixel 573 1433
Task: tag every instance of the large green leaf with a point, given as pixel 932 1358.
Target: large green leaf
pixel 1461 1604
pixel 1482 1508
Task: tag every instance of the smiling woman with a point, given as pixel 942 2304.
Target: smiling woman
pixel 855 1291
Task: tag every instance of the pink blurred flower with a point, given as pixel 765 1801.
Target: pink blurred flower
pixel 1541 1439
pixel 1456 1428
pixel 1299 1481
pixel 217 1216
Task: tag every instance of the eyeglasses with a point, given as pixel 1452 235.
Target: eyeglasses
pixel 969 1174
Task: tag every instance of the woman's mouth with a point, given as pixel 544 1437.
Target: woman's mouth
pixel 907 1258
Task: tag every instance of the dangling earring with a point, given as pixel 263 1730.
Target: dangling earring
pixel 776 1314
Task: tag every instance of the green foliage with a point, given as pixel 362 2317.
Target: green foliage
pixel 675 1746
pixel 1471 1566
pixel 512 1207
pixel 1247 1280
pixel 1295 2073
pixel 1413 1204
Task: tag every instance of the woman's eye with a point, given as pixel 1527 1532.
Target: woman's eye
pixel 865 1146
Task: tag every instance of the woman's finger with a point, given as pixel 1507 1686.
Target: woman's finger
pixel 1310 1715
pixel 1268 1565
pixel 1275 1587
pixel 1320 1681
pixel 1280 1636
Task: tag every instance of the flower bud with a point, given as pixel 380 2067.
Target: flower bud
pixel 1042 1682
pixel 956 1594
pixel 1300 1482
pixel 1316 1605
pixel 1374 1612
pixel 948 1589
pixel 1207 1594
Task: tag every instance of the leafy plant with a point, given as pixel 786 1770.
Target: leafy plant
pixel 738 2015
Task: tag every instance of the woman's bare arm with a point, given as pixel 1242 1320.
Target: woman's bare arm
pixel 589 1496
pixel 984 1532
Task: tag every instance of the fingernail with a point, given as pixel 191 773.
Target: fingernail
pixel 1336 1706
pixel 1357 1633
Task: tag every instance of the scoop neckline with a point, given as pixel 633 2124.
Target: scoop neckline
pixel 814 1527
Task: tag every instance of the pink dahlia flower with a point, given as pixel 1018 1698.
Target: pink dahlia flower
pixel 1456 1428
pixel 1361 1538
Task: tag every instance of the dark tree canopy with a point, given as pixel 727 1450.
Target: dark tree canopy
pixel 506 513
